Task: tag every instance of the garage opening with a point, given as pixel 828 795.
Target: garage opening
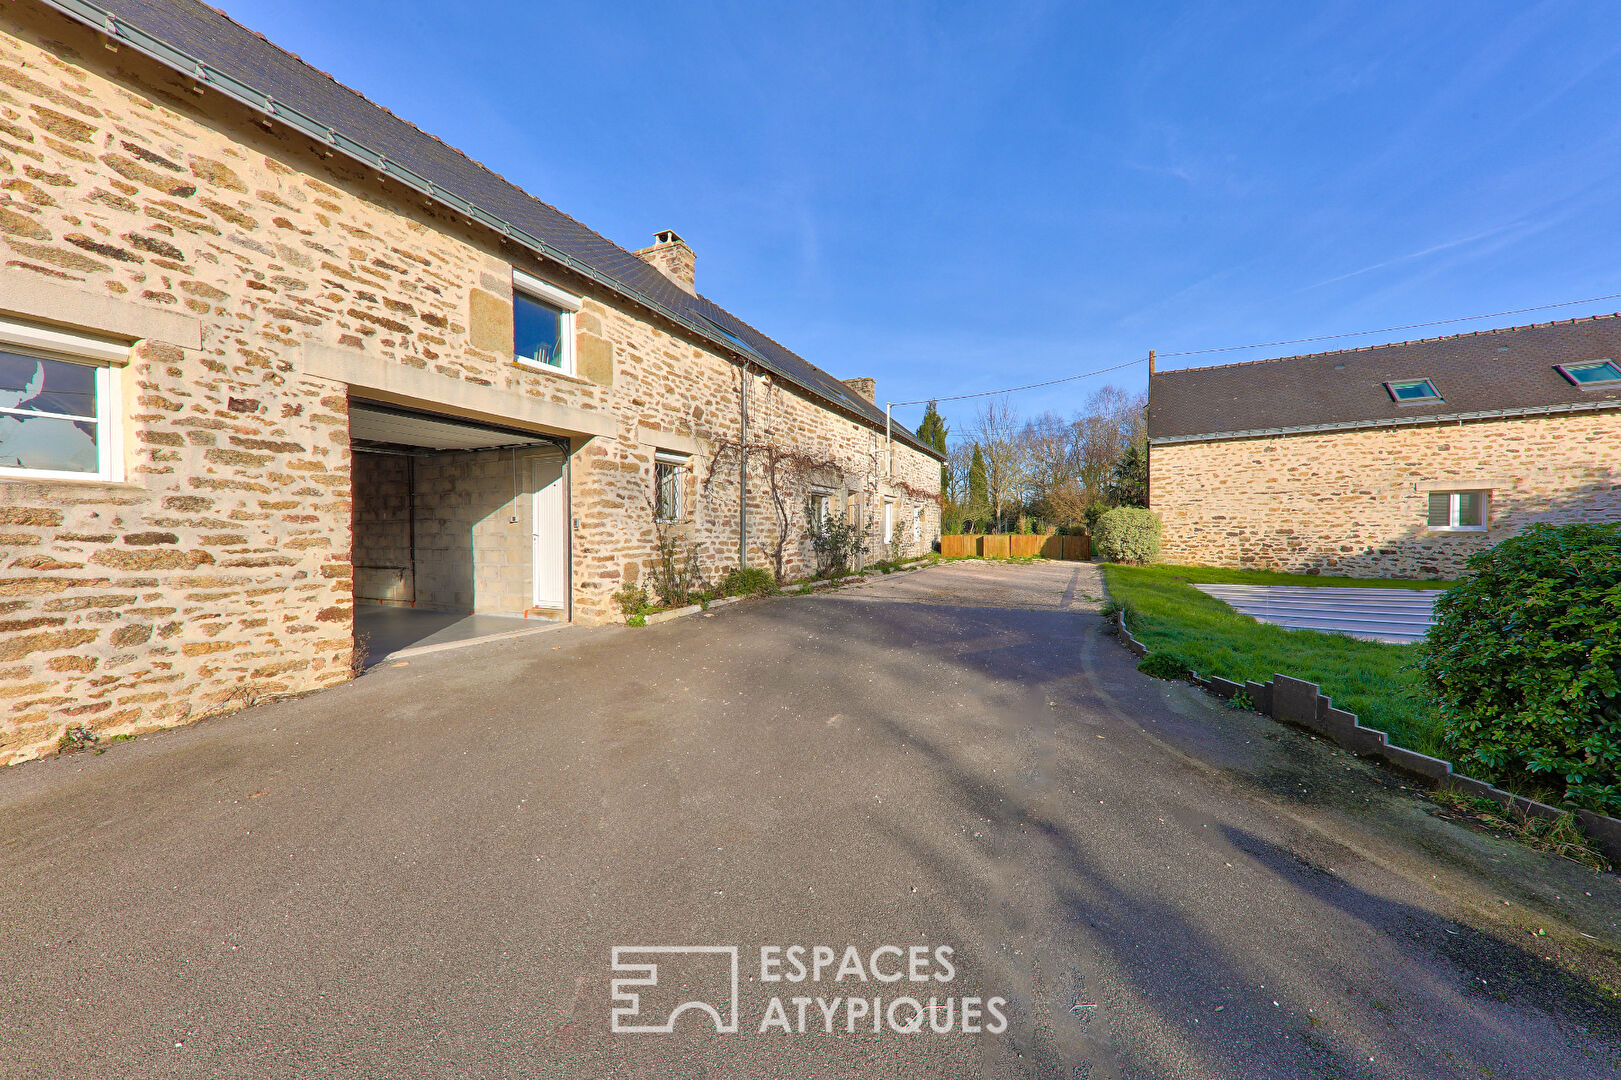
pixel 459 528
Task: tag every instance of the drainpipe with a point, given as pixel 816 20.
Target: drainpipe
pixel 743 466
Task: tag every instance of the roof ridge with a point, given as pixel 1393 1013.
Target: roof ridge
pixel 340 84
pixel 1396 344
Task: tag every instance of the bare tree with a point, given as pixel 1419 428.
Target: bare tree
pixel 1006 459
pixel 1052 447
pixel 1111 421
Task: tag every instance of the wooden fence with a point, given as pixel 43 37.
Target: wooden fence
pixel 1017 545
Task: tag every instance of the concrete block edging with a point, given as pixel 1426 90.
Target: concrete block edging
pixel 691 609
pixel 1301 703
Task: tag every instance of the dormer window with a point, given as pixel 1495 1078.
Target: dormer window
pixel 542 324
pixel 1598 373
pixel 1413 392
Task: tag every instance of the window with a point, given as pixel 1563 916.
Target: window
pixel 821 506
pixel 542 324
pixel 669 475
pixel 1595 374
pixel 889 521
pixel 1458 511
pixel 59 406
pixel 917 525
pixel 1413 392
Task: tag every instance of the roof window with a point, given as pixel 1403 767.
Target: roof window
pixel 1413 392
pixel 1588 375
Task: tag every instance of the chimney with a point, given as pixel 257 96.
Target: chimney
pixel 671 257
pixel 867 388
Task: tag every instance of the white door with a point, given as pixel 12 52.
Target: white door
pixel 550 527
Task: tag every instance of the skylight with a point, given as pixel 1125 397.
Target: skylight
pixel 733 338
pixel 1413 391
pixel 1594 374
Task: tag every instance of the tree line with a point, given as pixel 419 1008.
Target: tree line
pixel 1044 473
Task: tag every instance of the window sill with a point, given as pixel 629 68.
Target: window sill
pixel 546 369
pixel 77 481
pixel 1457 528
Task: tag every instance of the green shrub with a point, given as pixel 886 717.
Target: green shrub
pixel 1127 534
pixel 1163 665
pixel 748 581
pixel 1525 659
pixel 633 603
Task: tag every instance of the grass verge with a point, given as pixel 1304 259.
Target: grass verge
pixel 1378 682
pixel 1560 836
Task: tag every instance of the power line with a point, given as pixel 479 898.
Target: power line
pixel 1031 386
pixel 1392 329
pixel 1267 345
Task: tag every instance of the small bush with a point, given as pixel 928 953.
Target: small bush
pixel 1127 534
pixel 748 581
pixel 1525 659
pixel 839 545
pixel 677 579
pixel 77 738
pixel 633 603
pixel 1164 665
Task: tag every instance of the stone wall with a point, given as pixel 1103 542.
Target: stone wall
pixel 235 256
pixel 1354 503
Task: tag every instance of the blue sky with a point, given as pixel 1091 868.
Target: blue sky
pixel 953 197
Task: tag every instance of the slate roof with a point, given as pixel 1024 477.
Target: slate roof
pixel 204 34
pixel 1490 372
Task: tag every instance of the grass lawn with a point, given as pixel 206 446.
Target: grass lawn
pixel 1378 682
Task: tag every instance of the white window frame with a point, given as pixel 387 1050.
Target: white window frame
pixel 547 293
pixel 821 501
pixel 1453 503
pixel 679 462
pixel 108 358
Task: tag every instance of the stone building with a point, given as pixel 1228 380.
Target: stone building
pixel 268 352
pixel 1392 461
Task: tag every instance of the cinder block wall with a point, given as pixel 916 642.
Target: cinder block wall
pixel 470 555
pixel 382 527
pixel 1354 503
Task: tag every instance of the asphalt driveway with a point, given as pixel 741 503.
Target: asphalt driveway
pixel 424 873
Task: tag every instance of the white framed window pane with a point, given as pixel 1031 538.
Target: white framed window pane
pixel 668 490
pixel 537 331
pixel 49 415
pixel 56 387
pixel 1471 509
pixel 1440 515
pixel 49 444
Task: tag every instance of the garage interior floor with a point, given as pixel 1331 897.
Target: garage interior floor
pixel 387 629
